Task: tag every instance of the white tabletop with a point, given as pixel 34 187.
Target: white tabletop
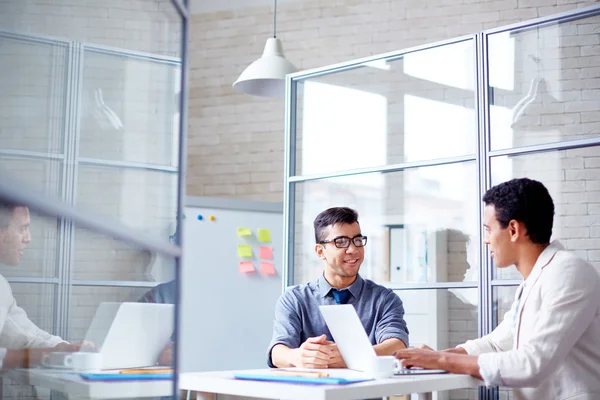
pixel 72 384
pixel 210 383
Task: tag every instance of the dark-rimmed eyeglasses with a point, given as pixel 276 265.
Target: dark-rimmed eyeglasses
pixel 343 242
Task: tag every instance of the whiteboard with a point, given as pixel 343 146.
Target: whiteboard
pixel 227 316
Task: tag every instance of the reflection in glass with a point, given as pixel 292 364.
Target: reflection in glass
pixel 544 85
pixel 130 109
pixel 33 93
pixel 44 176
pixel 40 250
pixel 419 219
pixel 440 318
pixel 388 112
pixel 573 180
pixel 142 199
pixel 54 310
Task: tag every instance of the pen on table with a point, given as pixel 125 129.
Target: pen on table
pixel 301 374
pixel 147 371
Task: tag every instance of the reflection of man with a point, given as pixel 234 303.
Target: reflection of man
pixel 548 345
pixel 22 343
pixel 163 293
pixel 300 335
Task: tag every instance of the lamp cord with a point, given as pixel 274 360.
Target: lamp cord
pixel 275 20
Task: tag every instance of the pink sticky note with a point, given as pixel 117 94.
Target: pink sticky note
pixel 265 252
pixel 246 267
pixel 267 268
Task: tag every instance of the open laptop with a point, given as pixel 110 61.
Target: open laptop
pixel 130 335
pixel 353 342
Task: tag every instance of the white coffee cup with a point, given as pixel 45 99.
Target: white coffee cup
pixel 83 361
pixel 382 367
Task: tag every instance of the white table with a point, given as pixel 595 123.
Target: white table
pixel 72 384
pixel 209 384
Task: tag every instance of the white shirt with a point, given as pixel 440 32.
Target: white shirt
pixel 554 350
pixel 16 329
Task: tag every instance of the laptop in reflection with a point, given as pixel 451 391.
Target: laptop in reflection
pixel 130 335
pixel 353 342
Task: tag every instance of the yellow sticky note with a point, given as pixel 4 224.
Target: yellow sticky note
pixel 267 268
pixel 264 235
pixel 246 267
pixel 244 232
pixel 244 251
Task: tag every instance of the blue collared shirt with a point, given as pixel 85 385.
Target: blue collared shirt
pixel 297 315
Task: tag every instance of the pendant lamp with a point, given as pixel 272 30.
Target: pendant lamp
pixel 266 76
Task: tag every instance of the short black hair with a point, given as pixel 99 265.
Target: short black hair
pixel 527 201
pixel 6 212
pixel 332 216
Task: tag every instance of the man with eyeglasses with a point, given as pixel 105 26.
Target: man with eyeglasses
pixel 300 335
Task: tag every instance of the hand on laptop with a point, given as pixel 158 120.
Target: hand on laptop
pixel 166 356
pixel 79 346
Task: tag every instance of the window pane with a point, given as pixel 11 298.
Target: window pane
pixel 142 199
pixel 32 94
pixel 440 318
pixel 39 302
pixel 130 109
pixel 380 113
pixel 421 223
pixel 573 180
pixel 544 84
pixel 44 176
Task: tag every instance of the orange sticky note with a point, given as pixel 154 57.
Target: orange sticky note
pixel 267 268
pixel 265 252
pixel 246 267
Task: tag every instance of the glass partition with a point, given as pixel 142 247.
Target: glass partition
pixel 414 138
pixel 380 113
pixel 544 83
pixel 90 117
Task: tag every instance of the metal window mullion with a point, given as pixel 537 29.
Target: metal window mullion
pixel 113 283
pixel 125 165
pixel 387 168
pixel 289 189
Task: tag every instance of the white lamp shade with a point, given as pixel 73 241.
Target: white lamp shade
pixel 266 76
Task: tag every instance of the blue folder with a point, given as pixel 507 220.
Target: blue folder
pixel 326 380
pixel 125 377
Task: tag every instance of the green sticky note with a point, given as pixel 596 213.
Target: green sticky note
pixel 244 232
pixel 264 235
pixel 244 251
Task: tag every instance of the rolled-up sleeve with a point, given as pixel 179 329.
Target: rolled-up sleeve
pixel 392 324
pixel 287 325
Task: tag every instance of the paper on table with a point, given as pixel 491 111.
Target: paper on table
pixel 246 267
pixel 244 251
pixel 264 235
pixel 265 252
pixel 244 232
pixel 267 268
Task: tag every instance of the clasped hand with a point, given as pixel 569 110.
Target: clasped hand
pixel 318 352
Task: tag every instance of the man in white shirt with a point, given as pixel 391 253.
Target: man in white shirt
pixel 22 343
pixel 548 345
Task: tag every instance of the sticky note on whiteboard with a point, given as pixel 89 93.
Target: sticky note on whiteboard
pixel 267 268
pixel 246 267
pixel 264 235
pixel 244 251
pixel 244 232
pixel 265 252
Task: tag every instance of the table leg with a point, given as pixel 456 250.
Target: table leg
pixel 424 396
pixel 205 396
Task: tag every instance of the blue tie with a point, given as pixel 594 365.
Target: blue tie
pixel 341 296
